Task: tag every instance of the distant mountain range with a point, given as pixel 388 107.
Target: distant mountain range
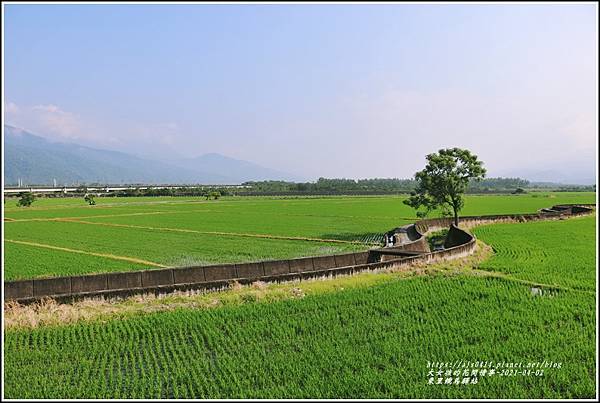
pixel 35 160
pixel 38 161
pixel 568 174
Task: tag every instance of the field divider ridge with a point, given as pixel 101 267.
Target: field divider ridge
pixel 83 252
pixel 50 219
pixel 192 231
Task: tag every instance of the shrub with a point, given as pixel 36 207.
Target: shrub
pixel 26 199
pixel 89 198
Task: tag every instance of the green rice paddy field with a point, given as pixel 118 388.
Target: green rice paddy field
pixel 367 336
pixel 66 236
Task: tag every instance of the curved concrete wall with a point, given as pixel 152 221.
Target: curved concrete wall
pixel 457 237
pixel 459 243
pixel 408 238
pixel 424 226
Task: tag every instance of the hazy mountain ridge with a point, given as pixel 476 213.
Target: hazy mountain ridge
pixel 241 170
pixel 36 160
pixel 576 175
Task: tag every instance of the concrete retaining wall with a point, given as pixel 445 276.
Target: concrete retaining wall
pixel 203 277
pixel 119 281
pixel 361 257
pixel 458 244
pixel 164 280
pixel 421 227
pixel 456 237
pixel 18 289
pixel 52 286
pixel 89 283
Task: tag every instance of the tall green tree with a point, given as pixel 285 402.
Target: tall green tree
pixel 89 198
pixel 444 180
pixel 26 199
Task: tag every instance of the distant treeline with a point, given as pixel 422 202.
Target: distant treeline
pixel 325 186
pixel 386 186
pixel 201 191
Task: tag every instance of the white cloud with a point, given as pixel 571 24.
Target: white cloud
pixel 11 108
pixel 50 121
pixel 172 126
pixel 505 130
pixel 57 122
pixel 46 108
pixel 168 139
pixel 581 130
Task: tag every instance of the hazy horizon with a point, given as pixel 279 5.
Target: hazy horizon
pixel 351 90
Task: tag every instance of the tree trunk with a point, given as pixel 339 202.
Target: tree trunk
pixel 455 216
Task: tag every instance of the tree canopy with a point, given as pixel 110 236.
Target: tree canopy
pixel 26 199
pixel 444 180
pixel 89 198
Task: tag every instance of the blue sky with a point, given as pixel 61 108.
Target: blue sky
pixel 318 90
